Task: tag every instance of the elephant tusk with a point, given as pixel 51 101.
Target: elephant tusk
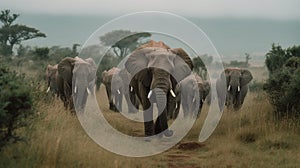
pixel 149 94
pixel 48 89
pixel 88 90
pixel 75 89
pixel 229 87
pixel 131 88
pixel 239 88
pixel 118 91
pixel 172 93
pixel 194 99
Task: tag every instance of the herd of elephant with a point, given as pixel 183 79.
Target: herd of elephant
pixel 153 73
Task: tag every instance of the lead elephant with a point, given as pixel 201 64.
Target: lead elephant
pixel 114 91
pixel 154 77
pixel 51 77
pixel 76 77
pixel 236 88
pixel 191 92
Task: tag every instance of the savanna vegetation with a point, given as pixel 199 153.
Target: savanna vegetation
pixel 37 131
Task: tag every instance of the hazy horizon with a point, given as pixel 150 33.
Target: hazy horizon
pixel 232 37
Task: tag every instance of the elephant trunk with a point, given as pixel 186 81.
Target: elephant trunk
pixel 235 91
pixel 161 99
pixel 81 92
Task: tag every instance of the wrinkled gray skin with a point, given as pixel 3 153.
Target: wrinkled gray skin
pixel 75 76
pixel 191 92
pixel 114 90
pixel 51 77
pixel 149 67
pixel 129 91
pixel 236 87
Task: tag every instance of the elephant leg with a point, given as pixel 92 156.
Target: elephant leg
pixel 147 111
pixel 171 106
pixel 148 125
pixel 118 102
pixel 184 105
pixel 161 123
pixel 109 97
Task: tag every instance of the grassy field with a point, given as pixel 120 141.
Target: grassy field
pixel 247 138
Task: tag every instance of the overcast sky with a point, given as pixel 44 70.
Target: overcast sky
pixel 271 9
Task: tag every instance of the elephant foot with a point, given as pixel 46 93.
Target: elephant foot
pixel 168 133
pixel 148 139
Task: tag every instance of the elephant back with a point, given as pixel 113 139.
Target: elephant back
pixel 108 75
pixel 153 43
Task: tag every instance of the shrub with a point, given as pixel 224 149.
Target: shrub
pixel 15 104
pixel 283 85
pixel 256 86
pixel 41 53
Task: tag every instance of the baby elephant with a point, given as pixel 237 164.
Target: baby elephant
pixel 191 93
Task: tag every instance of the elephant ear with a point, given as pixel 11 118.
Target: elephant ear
pixel 226 75
pixel 137 65
pixel 66 64
pixel 183 64
pixel 47 71
pixel 246 77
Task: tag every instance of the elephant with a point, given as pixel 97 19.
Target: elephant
pixel 191 93
pixel 129 91
pixel 152 66
pixel 114 91
pixel 76 77
pixel 51 77
pixel 236 88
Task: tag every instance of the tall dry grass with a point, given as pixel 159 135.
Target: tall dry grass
pixel 247 138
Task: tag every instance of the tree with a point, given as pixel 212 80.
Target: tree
pixel 41 53
pixel 13 34
pixel 123 41
pixel 247 59
pixel 283 85
pixel 200 63
pixel 74 48
pixel 16 104
pixel 275 58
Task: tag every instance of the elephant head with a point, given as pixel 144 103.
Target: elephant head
pixel 237 86
pixel 51 77
pixel 154 67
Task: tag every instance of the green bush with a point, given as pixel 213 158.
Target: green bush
pixel 15 104
pixel 256 86
pixel 283 85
